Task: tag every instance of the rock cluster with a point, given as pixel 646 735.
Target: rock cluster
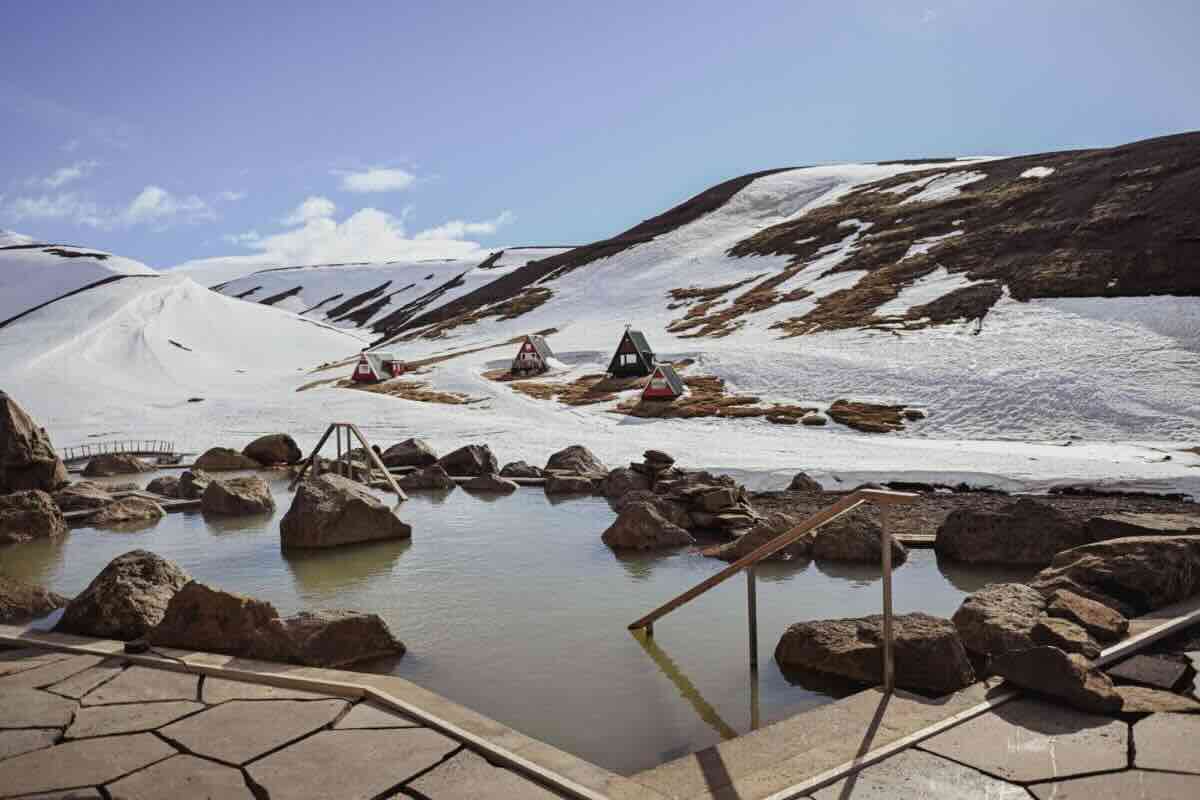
pixel 27 459
pixel 109 464
pixel 330 510
pixel 28 515
pixel 127 598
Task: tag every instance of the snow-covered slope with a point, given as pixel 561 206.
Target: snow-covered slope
pixel 35 274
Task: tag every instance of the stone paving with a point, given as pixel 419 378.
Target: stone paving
pixel 88 726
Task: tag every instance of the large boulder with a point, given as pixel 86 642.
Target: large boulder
pixel 768 528
pixel 856 536
pixel 803 483
pixel 565 483
pixel 431 477
pixel 410 453
pixel 1120 526
pixel 1025 532
pixel 192 484
pixel 999 618
pixel 164 486
pixel 274 448
pixel 490 484
pixel 127 511
pixel 640 526
pixel 110 464
pixel 248 494
pixel 471 459
pixel 82 496
pixel 223 459
pixel 1066 676
pixel 1104 624
pixel 928 654
pixel 519 469
pixel 671 510
pixel 202 618
pixel 577 459
pixel 20 601
pixel 27 515
pixel 331 510
pixel 27 459
pixel 624 479
pixel 127 598
pixel 1142 573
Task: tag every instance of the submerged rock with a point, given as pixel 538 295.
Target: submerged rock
pixel 928 654
pixel 1066 676
pixel 274 448
pixel 490 483
pixel 432 477
pixel 331 510
pixel 999 618
pixel 192 484
pixel 410 453
pixel 238 496
pixel 561 483
pixel 20 601
pixel 127 598
pixel 82 496
pixel 27 459
pixel 223 459
pixel 110 464
pixel 1026 532
pixel 28 515
pixel 472 459
pixel 576 459
pixel 126 511
pixel 640 526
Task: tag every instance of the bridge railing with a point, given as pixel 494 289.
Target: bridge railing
pixel 139 447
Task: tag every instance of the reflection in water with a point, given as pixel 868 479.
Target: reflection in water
pixel 40 561
pixel 687 689
pixel 973 577
pixel 485 497
pixel 326 571
pixel 638 565
pixel 823 682
pixel 858 574
pixel 224 523
pixel 780 571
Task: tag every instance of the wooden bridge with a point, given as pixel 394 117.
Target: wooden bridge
pixel 158 449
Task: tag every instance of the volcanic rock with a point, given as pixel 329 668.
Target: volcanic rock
pixel 410 453
pixel 431 477
pixel 1104 624
pixel 1119 526
pixel 331 510
pixel 472 459
pixel 223 459
pixel 1026 532
pixel 27 515
pixel 109 464
pixel 125 511
pixel 576 459
pixel 274 448
pixel 622 480
pixel 640 526
pixel 20 601
pixel 490 483
pixel 562 483
pixel 519 469
pixel 27 459
pixel 1066 676
pixel 855 536
pixel 237 496
pixel 164 485
pixel 127 598
pixel 192 484
pixel 999 618
pixel 803 483
pixel 81 496
pixel 1066 636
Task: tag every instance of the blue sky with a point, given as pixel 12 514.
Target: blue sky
pixel 170 132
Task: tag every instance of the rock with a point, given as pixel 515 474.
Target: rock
pixel 803 483
pixel 20 601
pixel 1104 624
pixel 27 459
pixel 126 599
pixel 999 618
pixel 27 515
pixel 560 483
pixel 202 618
pixel 432 477
pixel 1066 636
pixel 576 459
pixel 110 464
pixel 1119 526
pixel 855 536
pixel 331 510
pixel 125 511
pixel 192 484
pixel 640 526
pixel 490 483
pixel 672 511
pixel 275 448
pixel 222 459
pixel 1140 573
pixel 622 480
pixel 734 519
pixel 519 469
pixel 928 654
pixel 816 418
pixel 1066 676
pixel 238 496
pixel 166 486
pixel 718 500
pixel 1144 700
pixel 767 529
pixel 1168 672
pixel 82 496
pixel 410 453
pixel 473 459
pixel 1026 532
pixel 657 460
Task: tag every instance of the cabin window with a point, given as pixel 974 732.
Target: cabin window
pixel 628 359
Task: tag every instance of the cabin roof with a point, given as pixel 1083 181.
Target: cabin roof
pixel 670 376
pixel 540 345
pixel 639 341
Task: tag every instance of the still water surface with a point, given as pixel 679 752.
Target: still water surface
pixel 514 607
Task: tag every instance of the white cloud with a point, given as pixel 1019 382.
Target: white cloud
pixel 460 229
pixel 232 196
pixel 152 206
pixel 377 180
pixel 156 205
pixel 242 238
pixel 313 207
pixel 64 175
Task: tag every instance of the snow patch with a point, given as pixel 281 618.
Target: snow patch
pixel 926 289
pixel 1038 172
pixel 944 187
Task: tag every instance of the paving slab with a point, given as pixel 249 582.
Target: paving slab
pixel 1134 784
pixel 81 683
pixel 916 775
pixel 220 690
pixel 183 777
pixel 1029 740
pixel 1157 672
pixel 25 658
pixel 30 708
pixel 13 743
pixel 1168 742
pixel 467 776
pixel 69 794
pixel 110 720
pixel 350 765
pixel 373 715
pixel 144 685
pixel 50 673
pixel 242 730
pixel 1144 700
pixel 91 762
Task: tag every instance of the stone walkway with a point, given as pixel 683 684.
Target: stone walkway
pixel 91 726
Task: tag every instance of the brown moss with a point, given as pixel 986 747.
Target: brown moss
pixel 867 417
pixel 409 390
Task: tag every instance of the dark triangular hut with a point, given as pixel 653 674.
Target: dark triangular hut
pixel 533 357
pixel 633 357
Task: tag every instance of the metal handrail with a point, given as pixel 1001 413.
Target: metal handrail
pixel 881 497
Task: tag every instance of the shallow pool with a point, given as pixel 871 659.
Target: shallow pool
pixel 514 607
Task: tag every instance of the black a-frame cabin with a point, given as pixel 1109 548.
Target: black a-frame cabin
pixel 633 357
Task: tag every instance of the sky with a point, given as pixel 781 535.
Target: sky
pixel 288 133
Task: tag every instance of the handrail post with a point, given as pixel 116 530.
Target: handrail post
pixel 889 655
pixel 752 612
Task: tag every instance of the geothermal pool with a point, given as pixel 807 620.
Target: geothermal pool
pixel 513 606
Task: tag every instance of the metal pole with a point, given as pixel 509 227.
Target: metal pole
pixel 889 664
pixel 752 610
